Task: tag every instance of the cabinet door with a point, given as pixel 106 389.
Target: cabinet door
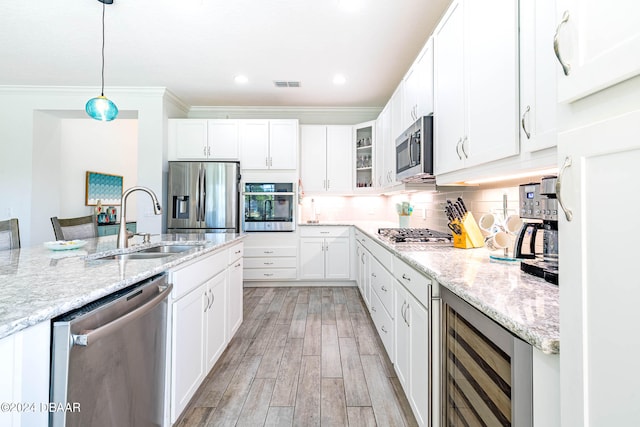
pixel 339 159
pixel 417 318
pixel 223 139
pixel 337 259
pixel 424 95
pixel 410 89
pixel 491 69
pixel 598 295
pixel 449 91
pixel 189 138
pixel 283 144
pixel 379 180
pixel 216 315
pixel 599 42
pixel 538 77
pixel 313 157
pixel 235 297
pixel 402 338
pixel 187 348
pixel 254 144
pixel 312 258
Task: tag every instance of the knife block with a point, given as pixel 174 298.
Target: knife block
pixel 471 236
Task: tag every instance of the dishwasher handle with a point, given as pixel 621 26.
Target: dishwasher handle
pixel 94 335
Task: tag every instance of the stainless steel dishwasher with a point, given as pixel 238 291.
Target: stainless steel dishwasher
pixel 108 359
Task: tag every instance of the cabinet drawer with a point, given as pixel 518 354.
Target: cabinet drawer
pixel 269 273
pixel 384 324
pixel 235 252
pixel 283 262
pixel 332 231
pixel 416 283
pixel 382 284
pixel 199 271
pixel 271 251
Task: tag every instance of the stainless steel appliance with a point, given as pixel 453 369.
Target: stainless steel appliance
pixel 203 197
pixel 537 242
pixel 269 207
pixel 109 358
pixel 414 152
pixel 487 373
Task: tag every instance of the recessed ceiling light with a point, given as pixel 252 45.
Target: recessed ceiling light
pixel 339 79
pixel 240 79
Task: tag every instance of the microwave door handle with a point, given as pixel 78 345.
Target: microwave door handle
pixel 410 151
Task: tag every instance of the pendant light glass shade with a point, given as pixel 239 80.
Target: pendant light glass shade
pixel 101 108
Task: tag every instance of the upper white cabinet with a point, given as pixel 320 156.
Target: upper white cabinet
pixel 476 84
pixel 326 158
pixel 195 139
pixel 538 76
pixel 418 87
pixel 269 144
pixel 597 45
pixel 365 141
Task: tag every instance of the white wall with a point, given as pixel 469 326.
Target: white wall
pixel 24 113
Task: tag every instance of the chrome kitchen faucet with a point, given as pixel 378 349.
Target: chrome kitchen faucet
pixel 123 241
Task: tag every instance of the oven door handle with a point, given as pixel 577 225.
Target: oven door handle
pixel 91 336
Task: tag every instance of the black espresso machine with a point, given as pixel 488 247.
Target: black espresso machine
pixel 537 242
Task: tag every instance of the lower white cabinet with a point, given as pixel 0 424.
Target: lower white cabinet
pixel 324 253
pixel 206 309
pixel 413 321
pixel 363 273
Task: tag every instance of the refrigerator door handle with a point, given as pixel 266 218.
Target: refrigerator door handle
pixel 204 195
pixel 198 194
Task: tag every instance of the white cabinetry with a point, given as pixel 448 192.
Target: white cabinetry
pixel 385 149
pixel 414 359
pixel 418 87
pixel 324 253
pixel 476 84
pixel 538 76
pixel 198 325
pixel 598 43
pixel 365 141
pixel 196 139
pixel 24 369
pixel 599 292
pixel 326 158
pixel 269 144
pixel 235 313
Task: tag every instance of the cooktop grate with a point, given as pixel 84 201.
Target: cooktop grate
pixel 414 235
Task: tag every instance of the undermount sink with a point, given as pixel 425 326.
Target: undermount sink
pixel 153 252
pixel 169 249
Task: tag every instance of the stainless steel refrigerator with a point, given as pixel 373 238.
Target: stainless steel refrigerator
pixel 203 197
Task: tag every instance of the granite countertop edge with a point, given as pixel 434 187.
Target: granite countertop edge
pixel 58 306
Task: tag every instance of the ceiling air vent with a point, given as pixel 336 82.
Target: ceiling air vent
pixel 284 83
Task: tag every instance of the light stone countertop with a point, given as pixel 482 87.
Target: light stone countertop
pixel 39 284
pixel 525 305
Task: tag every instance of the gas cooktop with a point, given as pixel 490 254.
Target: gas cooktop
pixel 414 235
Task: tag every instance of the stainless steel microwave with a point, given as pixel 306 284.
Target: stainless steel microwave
pixel 414 152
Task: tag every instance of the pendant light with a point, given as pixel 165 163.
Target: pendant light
pixel 101 108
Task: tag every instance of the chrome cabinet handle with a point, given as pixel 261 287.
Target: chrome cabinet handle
pixel 405 315
pixel 458 148
pixel 268 274
pixel 268 263
pixel 204 150
pixel 209 150
pixel 373 308
pixel 566 67
pixel 213 298
pixel 404 276
pixel 373 275
pixel 524 126
pixel 567 212
pixel 402 311
pixel 268 252
pixel 206 307
pixel 384 289
pixel 328 184
pixel 463 150
pixel 383 329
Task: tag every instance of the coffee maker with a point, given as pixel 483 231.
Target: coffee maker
pixel 537 241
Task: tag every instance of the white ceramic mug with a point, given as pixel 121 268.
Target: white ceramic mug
pixel 512 224
pixel 487 222
pixel 500 240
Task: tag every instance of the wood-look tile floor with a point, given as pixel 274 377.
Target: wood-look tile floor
pixel 302 357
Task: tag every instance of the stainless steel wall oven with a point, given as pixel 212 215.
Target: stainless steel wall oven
pixel 269 207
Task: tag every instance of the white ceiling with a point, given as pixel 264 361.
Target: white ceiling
pixel 196 47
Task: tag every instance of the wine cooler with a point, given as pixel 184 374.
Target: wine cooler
pixel 486 371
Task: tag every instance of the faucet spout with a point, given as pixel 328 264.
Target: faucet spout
pixel 123 240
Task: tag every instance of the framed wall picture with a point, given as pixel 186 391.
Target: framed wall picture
pixel 104 187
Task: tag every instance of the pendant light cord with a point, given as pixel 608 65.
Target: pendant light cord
pixel 102 87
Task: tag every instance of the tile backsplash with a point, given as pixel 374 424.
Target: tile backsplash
pixel 428 206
